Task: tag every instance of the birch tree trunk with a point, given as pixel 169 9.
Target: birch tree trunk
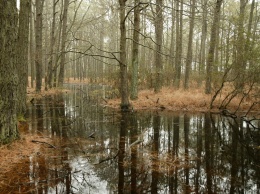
pixel 8 71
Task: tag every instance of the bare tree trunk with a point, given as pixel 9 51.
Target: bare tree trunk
pixel 123 65
pixel 240 64
pixel 179 27
pixel 63 43
pixel 172 46
pixel 158 40
pixel 32 47
pixel 249 47
pixel 202 57
pixel 22 55
pixel 135 60
pixel 38 40
pixel 101 59
pixel 212 46
pixel 52 43
pixel 189 53
pixel 8 71
pixel 177 60
pixel 57 50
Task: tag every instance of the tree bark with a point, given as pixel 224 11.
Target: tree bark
pixel 38 40
pixel 135 60
pixel 172 45
pixel 241 52
pixel 63 43
pixel 32 48
pixel 189 53
pixel 212 46
pixel 8 71
pixel 57 50
pixel 202 57
pixel 158 40
pixel 22 55
pixel 52 43
pixel 179 27
pixel 123 66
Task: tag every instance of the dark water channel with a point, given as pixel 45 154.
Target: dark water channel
pixel 100 150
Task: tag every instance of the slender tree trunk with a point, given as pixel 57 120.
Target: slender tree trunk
pixel 38 40
pixel 212 46
pixel 179 35
pixel 135 60
pixel 8 71
pixel 63 43
pixel 158 40
pixel 202 57
pixel 57 50
pixel 240 64
pixel 248 47
pixel 101 59
pixel 22 55
pixel 172 46
pixel 32 47
pixel 177 60
pixel 123 65
pixel 189 53
pixel 52 43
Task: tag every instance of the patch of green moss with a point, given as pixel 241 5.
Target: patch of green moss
pixel 21 118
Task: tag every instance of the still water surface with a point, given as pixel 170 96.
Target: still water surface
pixel 100 150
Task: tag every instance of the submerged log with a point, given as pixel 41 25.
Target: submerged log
pixel 36 141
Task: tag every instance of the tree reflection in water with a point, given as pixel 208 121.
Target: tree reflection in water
pixel 140 152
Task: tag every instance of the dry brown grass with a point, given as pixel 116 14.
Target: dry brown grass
pixel 193 100
pixel 12 153
pixel 170 99
pixel 14 160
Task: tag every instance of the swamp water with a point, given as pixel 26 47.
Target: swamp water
pixel 99 150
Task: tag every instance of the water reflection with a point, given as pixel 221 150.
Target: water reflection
pixel 104 151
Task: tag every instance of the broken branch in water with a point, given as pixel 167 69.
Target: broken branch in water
pixel 36 141
pixel 106 159
pixel 92 135
pixel 136 142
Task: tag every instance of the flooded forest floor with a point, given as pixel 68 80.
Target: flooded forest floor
pixel 14 155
